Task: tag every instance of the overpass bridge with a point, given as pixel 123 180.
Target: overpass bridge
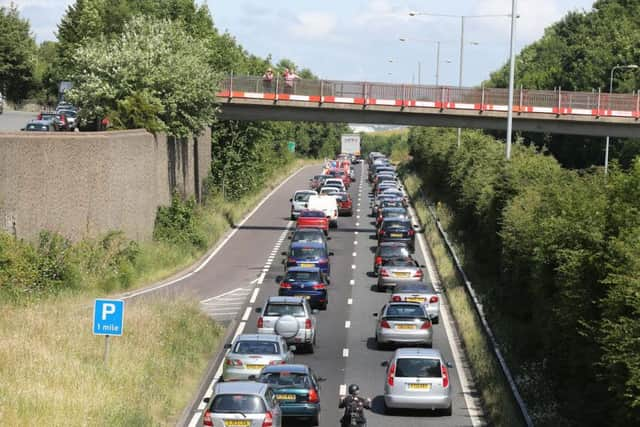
pixel 563 112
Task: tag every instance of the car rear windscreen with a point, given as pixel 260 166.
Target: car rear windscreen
pixel 394 251
pixel 303 197
pixel 418 367
pixel 405 311
pixel 302 276
pixel 286 379
pixel 307 252
pixel 246 404
pixel 256 347
pixel 396 225
pixel 296 310
pixel 413 288
pixel 312 214
pixel 308 234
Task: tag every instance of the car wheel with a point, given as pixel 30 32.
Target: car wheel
pixel 309 348
pixel 387 410
pixel 323 307
pixel 429 344
pixel 293 217
pixel 448 411
pixel 379 345
pixel 315 421
pixel 379 288
pixel 435 320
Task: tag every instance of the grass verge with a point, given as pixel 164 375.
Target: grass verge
pixel 53 373
pixel 496 396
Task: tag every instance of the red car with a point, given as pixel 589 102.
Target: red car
pixel 345 204
pixel 313 219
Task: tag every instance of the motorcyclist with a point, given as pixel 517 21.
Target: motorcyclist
pixel 355 405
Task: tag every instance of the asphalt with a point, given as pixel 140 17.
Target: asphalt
pixel 14 120
pixel 242 272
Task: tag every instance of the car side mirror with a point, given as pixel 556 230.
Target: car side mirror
pixel 328 238
pixel 227 346
pixel 385 363
pixel 291 200
pixel 331 254
pixel 321 379
pixel 283 253
pixel 306 205
pixel 314 311
pixel 206 399
pixel 375 314
pixel 416 226
pixel 292 348
pixel 423 266
pixel 258 309
pixel 449 365
pixel 22 128
pixel 252 378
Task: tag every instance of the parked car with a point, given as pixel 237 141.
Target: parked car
pixel 313 219
pixel 420 292
pixel 243 403
pixel 418 378
pixel 291 316
pixel 397 230
pixel 308 254
pixel 308 283
pixel 40 126
pixel 299 201
pixel 297 389
pixel 397 270
pixel 249 353
pixel 403 323
pixel 388 250
pixel 345 204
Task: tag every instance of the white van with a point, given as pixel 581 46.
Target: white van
pixel 328 205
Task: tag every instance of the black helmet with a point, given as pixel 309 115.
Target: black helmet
pixel 354 389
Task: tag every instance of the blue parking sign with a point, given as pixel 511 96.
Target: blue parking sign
pixel 108 317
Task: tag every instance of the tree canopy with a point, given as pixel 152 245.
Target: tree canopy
pixel 17 52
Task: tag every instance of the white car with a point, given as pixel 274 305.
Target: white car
pixel 299 201
pixel 328 191
pixel 334 182
pixel 328 205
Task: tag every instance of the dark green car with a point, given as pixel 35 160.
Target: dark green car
pixel 297 389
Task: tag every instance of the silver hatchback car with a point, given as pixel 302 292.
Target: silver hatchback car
pixel 421 292
pixel 249 353
pixel 394 271
pixel 403 323
pixel 417 378
pixel 243 404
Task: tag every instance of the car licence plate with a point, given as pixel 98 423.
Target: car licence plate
pixel 307 264
pixel 286 396
pixel 396 234
pixel 424 387
pixel 237 423
pixel 254 367
pixel 405 326
pixel 304 296
pixel 401 274
pixel 415 299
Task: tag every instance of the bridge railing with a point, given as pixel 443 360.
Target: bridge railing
pixel 598 102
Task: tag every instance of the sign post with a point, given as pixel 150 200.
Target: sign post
pixel 108 319
pixel 291 146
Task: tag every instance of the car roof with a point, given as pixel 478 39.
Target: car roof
pixel 240 387
pixel 309 269
pixel 412 284
pixel 305 191
pixel 396 219
pixel 417 352
pixel 259 337
pixel 39 122
pixel 392 243
pixel 284 300
pixel 307 243
pixel 289 367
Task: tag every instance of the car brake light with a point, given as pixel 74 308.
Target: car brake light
pixel 285 285
pixel 323 261
pixel 233 362
pixel 277 362
pixel 307 324
pixel 426 324
pixel 433 299
pixel 411 232
pixel 384 272
pixel 207 420
pixel 291 260
pixel 268 420
pixel 385 324
pixel 260 322
pixel 39 116
pixel 313 396
pixel 418 273
pixel 445 376
pixel 396 298
pixel 382 232
pixel 378 260
pixel 335 213
pixel 392 372
pixel 318 286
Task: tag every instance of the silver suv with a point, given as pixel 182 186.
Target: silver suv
pixel 243 403
pixel 290 317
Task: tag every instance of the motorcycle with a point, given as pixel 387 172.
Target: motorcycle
pixel 354 413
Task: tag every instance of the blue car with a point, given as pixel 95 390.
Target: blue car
pixel 297 389
pixel 309 283
pixel 308 254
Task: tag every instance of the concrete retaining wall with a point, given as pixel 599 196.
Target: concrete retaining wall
pixel 86 184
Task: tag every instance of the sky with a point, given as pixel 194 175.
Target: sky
pixel 359 39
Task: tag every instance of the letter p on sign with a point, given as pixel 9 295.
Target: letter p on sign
pixel 107 310
pixel 108 317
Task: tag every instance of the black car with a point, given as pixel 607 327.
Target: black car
pixel 388 250
pixel 397 230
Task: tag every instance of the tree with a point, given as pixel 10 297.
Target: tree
pixel 152 75
pixel 17 52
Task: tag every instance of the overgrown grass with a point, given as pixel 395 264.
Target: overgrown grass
pixel 53 373
pixel 496 396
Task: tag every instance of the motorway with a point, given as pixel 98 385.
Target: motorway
pixel 244 269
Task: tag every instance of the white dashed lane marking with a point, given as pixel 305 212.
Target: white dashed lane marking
pixel 225 306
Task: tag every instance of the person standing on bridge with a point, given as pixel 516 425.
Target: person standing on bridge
pixel 267 79
pixel 289 79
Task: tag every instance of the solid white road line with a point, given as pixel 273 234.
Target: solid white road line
pixel 474 411
pixel 220 246
pixel 195 419
pixel 254 295
pixel 247 313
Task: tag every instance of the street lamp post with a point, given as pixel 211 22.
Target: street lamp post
pixel 437 42
pixel 512 69
pixel 606 148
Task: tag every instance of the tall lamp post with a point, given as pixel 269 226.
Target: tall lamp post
pixel 437 43
pixel 606 148
pixel 462 18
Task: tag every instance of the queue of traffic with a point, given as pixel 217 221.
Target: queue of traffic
pixel 260 383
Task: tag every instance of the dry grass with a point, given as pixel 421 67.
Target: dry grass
pixel 496 396
pixel 53 373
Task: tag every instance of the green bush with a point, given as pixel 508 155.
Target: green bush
pixel 177 223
